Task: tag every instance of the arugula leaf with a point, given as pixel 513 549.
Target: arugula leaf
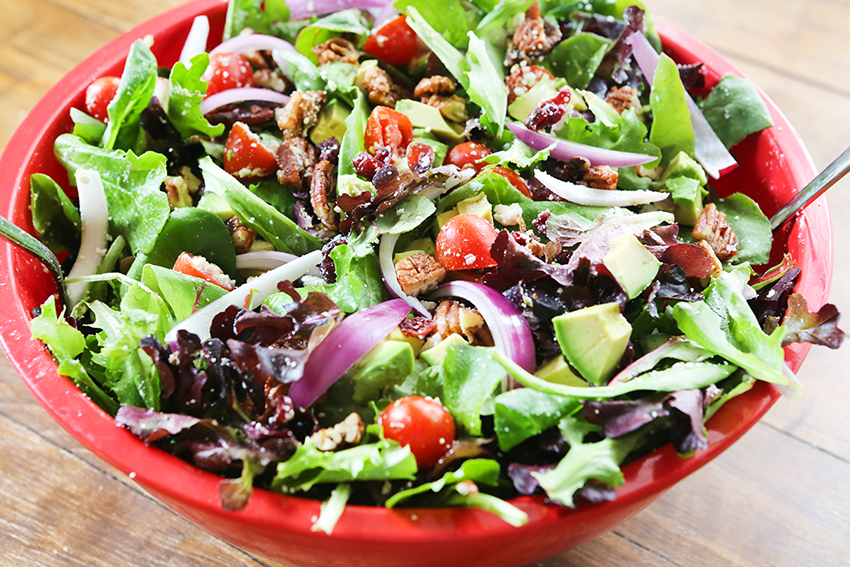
pixel 353 140
pixel 262 16
pixel 524 413
pixel 750 226
pixel 470 376
pixel 187 90
pixel 274 226
pixel 54 217
pixel 735 110
pixel 447 18
pixel 133 96
pixel 671 126
pixel 577 58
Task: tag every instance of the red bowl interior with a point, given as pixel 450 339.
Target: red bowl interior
pixel 774 165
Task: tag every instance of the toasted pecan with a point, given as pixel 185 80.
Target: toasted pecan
pixel 713 227
pixel 419 273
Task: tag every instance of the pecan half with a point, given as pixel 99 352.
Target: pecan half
pixel 534 38
pixel 622 98
pixel 336 49
pixel 243 236
pixel 381 88
pixel 419 273
pixel 452 318
pixel 300 114
pixel 268 79
pixel 322 188
pixel 347 432
pixel 296 159
pixel 713 227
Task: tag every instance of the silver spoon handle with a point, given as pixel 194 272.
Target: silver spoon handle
pixel 825 179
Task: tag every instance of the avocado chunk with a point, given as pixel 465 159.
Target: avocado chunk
pixel 593 339
pixel 478 205
pixel 437 354
pixel 350 184
pixel 687 199
pixel 331 122
pixel 425 116
pixel 684 165
pixel 385 366
pixel 632 265
pixel 414 342
pixel 557 371
pixel 215 204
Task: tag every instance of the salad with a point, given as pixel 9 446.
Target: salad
pixel 416 254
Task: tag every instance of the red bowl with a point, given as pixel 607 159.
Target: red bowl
pixel 774 165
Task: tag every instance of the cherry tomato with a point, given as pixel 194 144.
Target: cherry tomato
pixel 227 71
pixel 464 243
pixel 245 156
pixel 522 78
pixel 98 96
pixel 514 179
pixel 422 424
pixel 468 153
pixel 199 267
pixel 387 128
pixel 394 42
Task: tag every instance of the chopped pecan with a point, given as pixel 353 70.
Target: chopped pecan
pixel 347 432
pixel 296 159
pixel 452 318
pixel 623 98
pixel 322 188
pixel 268 79
pixel 713 227
pixel 261 59
pixel 381 88
pixel 300 114
pixel 419 273
pixel 716 266
pixel 178 192
pixel 436 85
pixel 534 38
pixel 336 49
pixel 243 236
pixel 600 177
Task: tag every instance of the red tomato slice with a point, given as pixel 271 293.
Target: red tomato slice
pixel 99 94
pixel 394 42
pixel 228 71
pixel 468 154
pixel 199 267
pixel 464 243
pixel 422 424
pixel 387 128
pixel 514 179
pixel 245 156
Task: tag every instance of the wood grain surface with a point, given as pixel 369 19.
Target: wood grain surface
pixel 779 497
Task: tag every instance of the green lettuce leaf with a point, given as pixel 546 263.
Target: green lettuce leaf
pixel 185 96
pixel 134 94
pixel 577 58
pixel 519 155
pixel 54 217
pixel 447 18
pixel 262 16
pixel 470 376
pixel 331 509
pixel 671 125
pixel 182 294
pixel 87 127
pixel 523 413
pixel 486 86
pixel 479 471
pixel 353 140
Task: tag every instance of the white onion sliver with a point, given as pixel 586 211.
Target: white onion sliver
pixel 583 195
pixel 94 217
pixel 264 286
pixel 196 41
pixel 231 96
pixel 252 42
pixel 385 256
pixel 266 260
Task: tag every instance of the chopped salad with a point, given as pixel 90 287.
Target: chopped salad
pixel 416 254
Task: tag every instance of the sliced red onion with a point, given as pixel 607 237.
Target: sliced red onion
pixel 385 256
pixel 94 217
pixel 196 41
pixel 510 330
pixel 565 150
pixel 258 289
pixel 231 96
pixel 710 151
pixel 252 42
pixel 266 260
pixel 303 9
pixel 583 195
pixel 347 343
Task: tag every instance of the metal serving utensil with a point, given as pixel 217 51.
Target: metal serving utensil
pixel 17 235
pixel 824 180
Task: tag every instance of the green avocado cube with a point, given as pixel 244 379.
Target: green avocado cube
pixel 428 117
pixel 557 371
pixel 684 165
pixel 437 354
pixel 593 339
pixel 331 123
pixel 687 199
pixel 632 265
pixel 385 366
pixel 216 204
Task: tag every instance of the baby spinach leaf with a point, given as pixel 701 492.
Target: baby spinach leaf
pixel 735 110
pixel 524 413
pixel 470 376
pixel 54 217
pixel 183 294
pixel 134 94
pixel 750 226
pixel 185 95
pixel 577 58
pixel 299 69
pixel 442 48
pixel 352 141
pixel 405 216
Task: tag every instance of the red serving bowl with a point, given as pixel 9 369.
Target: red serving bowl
pixel 773 166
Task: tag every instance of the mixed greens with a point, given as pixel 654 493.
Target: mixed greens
pixel 416 254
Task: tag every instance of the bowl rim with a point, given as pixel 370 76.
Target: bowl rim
pixel 117 446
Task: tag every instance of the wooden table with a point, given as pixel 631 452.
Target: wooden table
pixel 779 497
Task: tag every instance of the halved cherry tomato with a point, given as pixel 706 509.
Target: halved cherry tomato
pixel 422 424
pixel 245 156
pixel 99 94
pixel 394 42
pixel 227 71
pixel 387 128
pixel 468 153
pixel 514 179
pixel 199 267
pixel 522 78
pixel 464 243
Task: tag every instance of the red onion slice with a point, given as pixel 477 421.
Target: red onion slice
pixel 266 260
pixel 252 42
pixel 347 343
pixel 196 41
pixel 565 150
pixel 509 328
pixel 710 151
pixel 583 195
pixel 231 96
pixel 385 256
pixel 303 9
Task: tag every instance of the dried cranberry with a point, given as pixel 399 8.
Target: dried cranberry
pixel 350 202
pixel 329 150
pixel 420 157
pixel 385 155
pixel 365 165
pixel 383 176
pixel 550 112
